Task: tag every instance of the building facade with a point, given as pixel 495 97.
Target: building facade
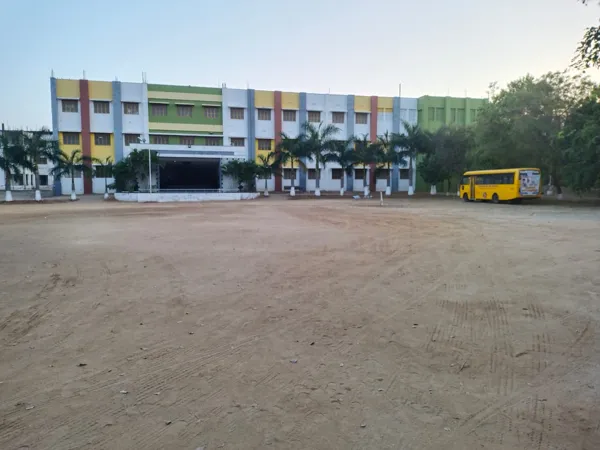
pixel 197 129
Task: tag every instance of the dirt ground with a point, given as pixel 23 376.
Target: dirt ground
pixel 423 324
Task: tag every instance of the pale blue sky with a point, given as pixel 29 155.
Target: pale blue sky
pixel 367 47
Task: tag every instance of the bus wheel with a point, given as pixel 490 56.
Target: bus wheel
pixel 465 197
pixel 495 198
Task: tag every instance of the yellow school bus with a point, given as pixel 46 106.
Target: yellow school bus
pixel 501 185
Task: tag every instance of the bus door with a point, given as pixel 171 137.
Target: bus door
pixel 472 194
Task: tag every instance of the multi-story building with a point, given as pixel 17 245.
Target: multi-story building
pixel 436 112
pixel 195 129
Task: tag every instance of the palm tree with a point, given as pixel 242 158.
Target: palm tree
pixel 366 153
pixel 387 156
pixel 67 165
pixel 266 168
pixel 106 169
pixel 344 155
pixel 12 159
pixel 319 143
pixel 414 142
pixel 288 151
pixel 38 147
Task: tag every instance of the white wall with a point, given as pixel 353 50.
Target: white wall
pixel 336 103
pixel 134 123
pixel 361 129
pixel 260 184
pixel 292 129
pixel 66 185
pixel 264 129
pixel 236 128
pixel 102 123
pixel 69 121
pixel 98 185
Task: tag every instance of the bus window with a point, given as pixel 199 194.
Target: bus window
pixel 465 180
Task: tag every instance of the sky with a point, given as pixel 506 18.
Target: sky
pixel 362 47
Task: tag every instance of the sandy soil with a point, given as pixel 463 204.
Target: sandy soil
pixel 299 325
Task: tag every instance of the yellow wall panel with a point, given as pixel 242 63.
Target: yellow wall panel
pixel 362 103
pixel 68 149
pixel 100 90
pixel 103 151
pixel 67 88
pixel 264 99
pixel 290 100
pixel 386 103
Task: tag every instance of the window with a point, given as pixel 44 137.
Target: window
pixel 211 112
pixel 131 108
pixel 289 174
pixel 473 114
pixel 236 113
pixel 186 140
pixel 101 107
pixel 184 110
pixel 71 138
pixel 312 174
pixel 430 114
pixel 465 180
pixel 18 179
pixel 289 115
pixel 314 116
pixel 237 142
pixel 412 115
pixel 43 180
pixel 42 160
pixel 439 114
pixel 452 115
pixel 404 174
pixel 102 139
pixel 264 144
pixel 102 172
pixel 214 141
pixel 337 117
pixel 337 174
pixel 264 114
pixel 26 179
pixel 362 118
pixel 158 109
pixel 359 174
pixel 496 178
pixel 70 106
pixel 158 139
pixel 131 139
pixel 460 116
pixel 381 174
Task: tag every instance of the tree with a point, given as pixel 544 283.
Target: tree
pixel 588 52
pixel 289 151
pixel 12 158
pixel 69 165
pixel 38 148
pixel 387 155
pixel 520 126
pixel 580 140
pixel 265 167
pixel 105 169
pixel 412 143
pixel 243 171
pixel 138 159
pixel 450 146
pixel 318 143
pixel 432 170
pixel 366 154
pixel 344 155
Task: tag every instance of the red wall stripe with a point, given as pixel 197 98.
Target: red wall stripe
pixel 373 136
pixel 86 149
pixel 278 118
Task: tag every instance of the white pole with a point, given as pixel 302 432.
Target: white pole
pixel 380 198
pixel 149 173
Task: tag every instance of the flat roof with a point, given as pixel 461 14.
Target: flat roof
pixel 483 172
